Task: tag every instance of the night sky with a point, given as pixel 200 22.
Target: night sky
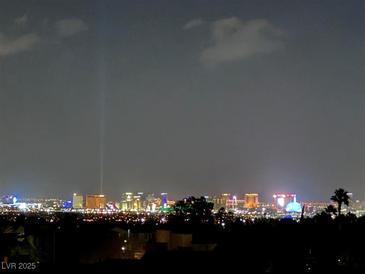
pixel 185 97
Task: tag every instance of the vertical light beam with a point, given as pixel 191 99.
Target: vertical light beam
pixel 102 81
pixel 101 139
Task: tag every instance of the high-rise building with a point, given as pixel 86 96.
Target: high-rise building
pixel 137 201
pixel 95 201
pixel 9 199
pixel 222 201
pixel 67 204
pixel 77 201
pixel 251 200
pixel 152 203
pixel 126 203
pixel 164 200
pixel 281 200
pixel 143 200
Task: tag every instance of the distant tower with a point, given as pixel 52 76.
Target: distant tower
pixel 251 200
pixel 137 201
pixel 77 201
pixel 127 201
pixel 95 201
pixel 222 201
pixel 151 202
pixel 225 200
pixel 164 200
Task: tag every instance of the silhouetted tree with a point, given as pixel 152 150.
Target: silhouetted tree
pixel 331 210
pixel 302 214
pixel 341 197
pixel 197 209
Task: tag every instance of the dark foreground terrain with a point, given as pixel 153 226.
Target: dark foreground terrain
pixel 206 245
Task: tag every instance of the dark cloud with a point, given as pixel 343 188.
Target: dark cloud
pixel 22 20
pixel 233 39
pixel 13 45
pixel 193 23
pixel 70 27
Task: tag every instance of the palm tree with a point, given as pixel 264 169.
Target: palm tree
pixel 341 197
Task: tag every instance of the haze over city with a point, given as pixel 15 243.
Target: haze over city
pixel 176 97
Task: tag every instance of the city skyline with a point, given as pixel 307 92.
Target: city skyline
pixel 265 198
pixel 251 96
pixel 249 206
